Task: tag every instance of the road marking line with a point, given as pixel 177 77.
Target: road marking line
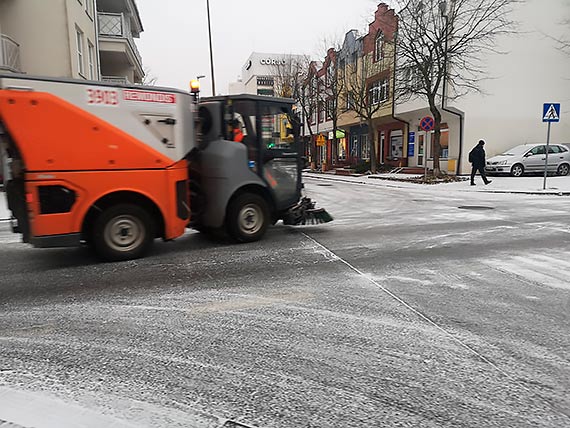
pixel 407 305
pixel 561 412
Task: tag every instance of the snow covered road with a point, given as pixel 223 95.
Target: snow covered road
pixel 407 310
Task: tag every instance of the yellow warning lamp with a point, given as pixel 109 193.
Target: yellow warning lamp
pixel 194 86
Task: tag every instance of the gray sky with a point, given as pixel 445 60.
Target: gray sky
pixel 174 44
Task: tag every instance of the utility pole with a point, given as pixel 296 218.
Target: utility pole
pixel 211 51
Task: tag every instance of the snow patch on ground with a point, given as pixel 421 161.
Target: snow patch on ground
pixel 551 271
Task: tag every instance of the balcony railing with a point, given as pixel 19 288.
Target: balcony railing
pixel 9 54
pixel 116 25
pixel 118 80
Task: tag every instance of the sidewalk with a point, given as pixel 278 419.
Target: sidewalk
pixel 524 185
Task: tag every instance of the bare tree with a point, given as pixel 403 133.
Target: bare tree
pixel 440 50
pixel 293 80
pixel 563 42
pixel 367 91
pixel 149 79
pixel 332 91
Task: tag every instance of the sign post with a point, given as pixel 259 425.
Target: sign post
pixel 550 113
pixel 426 124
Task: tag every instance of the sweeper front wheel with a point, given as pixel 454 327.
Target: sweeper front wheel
pixel 247 217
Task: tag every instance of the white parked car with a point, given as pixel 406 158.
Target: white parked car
pixel 529 158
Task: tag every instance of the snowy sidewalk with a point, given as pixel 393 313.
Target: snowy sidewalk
pixel 19 409
pixel 523 185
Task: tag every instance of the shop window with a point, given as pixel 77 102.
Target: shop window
pixel 342 149
pixel 396 145
pixel 365 147
pixel 443 142
pixel 354 146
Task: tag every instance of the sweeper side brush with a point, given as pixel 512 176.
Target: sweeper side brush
pixel 305 213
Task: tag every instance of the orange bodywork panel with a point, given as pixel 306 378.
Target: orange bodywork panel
pixel 54 135
pixel 63 145
pixel 159 186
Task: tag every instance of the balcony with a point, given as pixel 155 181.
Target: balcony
pixel 117 45
pixel 9 54
pixel 117 80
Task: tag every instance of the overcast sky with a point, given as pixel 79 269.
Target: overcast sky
pixel 174 44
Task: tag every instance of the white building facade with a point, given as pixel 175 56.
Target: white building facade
pixel 531 71
pixel 260 73
pixel 81 39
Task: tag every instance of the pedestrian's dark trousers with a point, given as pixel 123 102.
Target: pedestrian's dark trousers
pixel 481 170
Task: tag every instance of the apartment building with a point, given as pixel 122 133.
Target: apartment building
pixel 526 71
pixel 119 23
pixel 366 64
pixel 71 38
pixel 261 73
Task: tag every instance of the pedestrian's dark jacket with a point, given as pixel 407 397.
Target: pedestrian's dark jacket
pixel 477 156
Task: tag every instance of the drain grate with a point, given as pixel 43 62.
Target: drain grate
pixel 324 184
pixel 475 207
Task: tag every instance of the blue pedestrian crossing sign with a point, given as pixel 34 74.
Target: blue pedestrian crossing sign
pixel 551 112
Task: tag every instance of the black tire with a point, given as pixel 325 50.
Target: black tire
pixel 247 218
pixel 123 232
pixel 517 170
pixel 563 169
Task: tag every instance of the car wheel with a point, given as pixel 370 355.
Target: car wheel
pixel 517 170
pixel 247 218
pixel 563 169
pixel 123 232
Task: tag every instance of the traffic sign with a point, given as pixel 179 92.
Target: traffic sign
pixel 427 123
pixel 551 112
pixel 320 140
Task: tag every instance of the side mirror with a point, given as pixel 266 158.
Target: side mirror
pixel 528 154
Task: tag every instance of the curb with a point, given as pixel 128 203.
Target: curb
pixel 321 176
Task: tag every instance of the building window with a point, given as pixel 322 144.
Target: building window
pixel 342 149
pixel 265 81
pixel 396 144
pixel 365 147
pixel 349 100
pixel 379 46
pixel 329 76
pixel 321 113
pixel 443 142
pixel 266 92
pixel 330 107
pixel 379 91
pixel 91 59
pixel 354 147
pixel 79 39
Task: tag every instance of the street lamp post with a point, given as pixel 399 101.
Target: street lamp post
pixel 211 51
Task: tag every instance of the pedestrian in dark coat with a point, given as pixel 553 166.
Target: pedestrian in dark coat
pixel 477 159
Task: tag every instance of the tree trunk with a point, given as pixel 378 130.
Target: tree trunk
pixel 371 135
pixel 436 141
pixel 334 148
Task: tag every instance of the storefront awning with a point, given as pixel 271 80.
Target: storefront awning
pixel 339 134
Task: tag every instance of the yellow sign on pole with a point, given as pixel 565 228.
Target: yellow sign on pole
pixel 320 140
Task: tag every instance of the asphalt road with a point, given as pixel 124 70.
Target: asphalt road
pixel 405 311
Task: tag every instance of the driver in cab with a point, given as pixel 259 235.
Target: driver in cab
pixel 237 133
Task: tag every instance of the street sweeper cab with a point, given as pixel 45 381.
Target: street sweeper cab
pixel 118 166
